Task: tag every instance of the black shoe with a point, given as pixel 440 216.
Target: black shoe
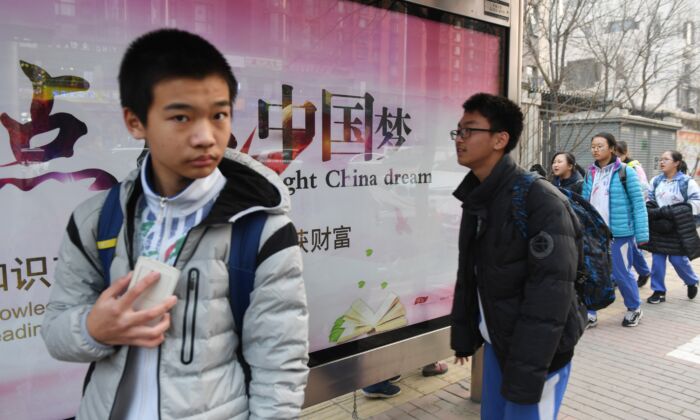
pixel 381 390
pixel 642 280
pixel 657 297
pixel 692 291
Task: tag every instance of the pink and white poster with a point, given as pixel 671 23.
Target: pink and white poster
pixel 351 104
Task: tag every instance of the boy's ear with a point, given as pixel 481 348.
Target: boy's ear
pixel 502 138
pixel 134 124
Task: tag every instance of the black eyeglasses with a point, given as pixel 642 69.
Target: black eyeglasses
pixel 466 132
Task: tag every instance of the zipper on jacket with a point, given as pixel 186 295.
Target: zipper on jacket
pixel 188 323
pixel 162 220
pixel 161 213
pixel 158 379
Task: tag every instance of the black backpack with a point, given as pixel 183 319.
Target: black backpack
pixel 594 284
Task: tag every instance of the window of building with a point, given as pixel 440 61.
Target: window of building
pixel 623 25
pixel 688 33
pixel 683 99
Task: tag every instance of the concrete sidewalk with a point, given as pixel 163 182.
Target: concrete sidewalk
pixel 651 371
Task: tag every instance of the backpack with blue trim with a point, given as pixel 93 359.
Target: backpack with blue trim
pixel 245 240
pixel 683 187
pixel 594 284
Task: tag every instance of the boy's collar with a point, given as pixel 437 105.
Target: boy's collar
pixel 194 196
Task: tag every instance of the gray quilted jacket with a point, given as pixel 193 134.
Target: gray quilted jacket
pixel 199 376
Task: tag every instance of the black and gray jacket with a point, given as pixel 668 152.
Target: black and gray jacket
pixel 209 383
pixel 573 183
pixel 672 230
pixel 533 315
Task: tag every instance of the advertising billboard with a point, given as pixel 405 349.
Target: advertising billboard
pixel 350 103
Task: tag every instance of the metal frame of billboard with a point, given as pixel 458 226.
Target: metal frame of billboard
pixel 368 361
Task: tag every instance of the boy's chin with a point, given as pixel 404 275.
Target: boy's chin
pixel 197 173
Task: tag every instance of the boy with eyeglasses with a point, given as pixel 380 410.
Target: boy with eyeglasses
pixel 515 295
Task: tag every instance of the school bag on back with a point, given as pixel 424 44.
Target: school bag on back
pixel 594 284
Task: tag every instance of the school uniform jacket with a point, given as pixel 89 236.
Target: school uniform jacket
pixel 628 212
pixel 533 316
pixel 199 376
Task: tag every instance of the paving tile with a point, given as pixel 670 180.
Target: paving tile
pixel 459 390
pixel 327 413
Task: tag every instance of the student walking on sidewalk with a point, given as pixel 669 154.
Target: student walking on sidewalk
pixel 564 172
pixel 638 262
pixel 674 198
pixel 613 189
pixel 514 293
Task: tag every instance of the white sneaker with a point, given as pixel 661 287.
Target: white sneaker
pixel 592 321
pixel 632 318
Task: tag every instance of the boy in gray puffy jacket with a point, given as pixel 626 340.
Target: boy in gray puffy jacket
pixel 177 360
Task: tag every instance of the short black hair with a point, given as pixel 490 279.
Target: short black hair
pixel 167 54
pixel 501 113
pixel 612 143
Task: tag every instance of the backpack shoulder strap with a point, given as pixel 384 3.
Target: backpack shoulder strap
pixel 245 241
pixel 589 177
pixel 521 188
pixel 108 226
pixel 684 187
pixel 622 174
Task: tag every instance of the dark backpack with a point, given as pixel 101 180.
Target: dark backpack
pixel 245 240
pixel 683 187
pixel 594 284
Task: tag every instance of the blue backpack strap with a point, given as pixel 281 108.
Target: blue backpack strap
pixel 521 188
pixel 622 174
pixel 684 181
pixel 654 185
pixel 108 227
pixel 245 241
pixel 684 187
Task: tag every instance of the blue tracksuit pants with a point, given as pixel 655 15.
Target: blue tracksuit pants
pixel 680 263
pixel 621 265
pixel 638 262
pixel 495 407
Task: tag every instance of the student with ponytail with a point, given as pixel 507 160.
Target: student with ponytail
pixel 613 189
pixel 565 174
pixel 674 198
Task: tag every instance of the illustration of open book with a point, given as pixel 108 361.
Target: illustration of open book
pixel 361 319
